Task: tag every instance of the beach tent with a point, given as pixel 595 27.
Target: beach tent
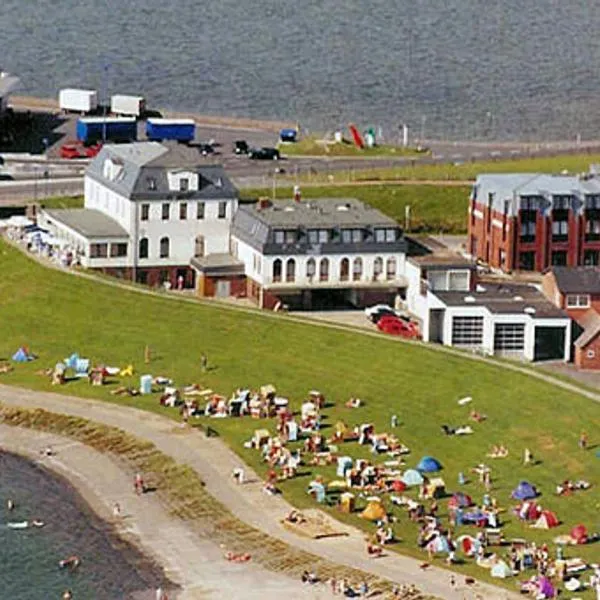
pixel 460 500
pixel 21 355
pixel 546 588
pixel 374 510
pixel 501 570
pixel 438 544
pixel 412 477
pixel 547 520
pixel 469 544
pixel 292 431
pixel 398 485
pixel 524 491
pixel 428 464
pixel 579 534
pixel 529 511
pixel 436 488
pixel 344 463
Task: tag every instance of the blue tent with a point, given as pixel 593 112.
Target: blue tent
pixel 412 477
pixel 21 356
pixel 524 491
pixel 429 464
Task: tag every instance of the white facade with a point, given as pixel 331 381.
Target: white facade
pixel 322 270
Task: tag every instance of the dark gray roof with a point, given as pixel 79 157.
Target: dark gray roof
pixel 143 161
pixel 577 280
pixel 89 222
pixel 504 298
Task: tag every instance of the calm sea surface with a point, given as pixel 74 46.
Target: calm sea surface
pixel 450 68
pixel 109 570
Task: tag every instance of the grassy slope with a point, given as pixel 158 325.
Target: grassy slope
pixel 433 208
pixel 313 147
pixel 57 314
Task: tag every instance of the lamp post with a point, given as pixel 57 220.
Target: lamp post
pixel 104 103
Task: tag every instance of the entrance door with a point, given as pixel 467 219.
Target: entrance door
pixel 223 289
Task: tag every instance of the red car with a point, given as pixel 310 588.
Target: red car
pixel 395 326
pixel 78 150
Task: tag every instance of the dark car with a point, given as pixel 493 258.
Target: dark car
pixel 264 153
pixel 206 149
pixel 240 147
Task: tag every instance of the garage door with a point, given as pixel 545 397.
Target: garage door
pixel 549 343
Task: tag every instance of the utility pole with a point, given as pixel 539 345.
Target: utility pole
pixel 106 66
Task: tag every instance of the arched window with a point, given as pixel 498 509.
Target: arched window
pixel 143 248
pixel 277 270
pixel 391 268
pixel 290 270
pixel 324 269
pixel 344 269
pixel 357 269
pixel 311 268
pixel 378 267
pixel 164 247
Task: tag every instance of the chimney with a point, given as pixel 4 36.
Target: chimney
pixel 297 194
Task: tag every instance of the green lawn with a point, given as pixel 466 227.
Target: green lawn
pixel 311 146
pixel 433 209
pixel 56 314
pixel 461 171
pixel 63 202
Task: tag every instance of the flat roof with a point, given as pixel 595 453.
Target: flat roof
pixel 445 260
pixel 161 121
pixel 89 222
pixel 504 298
pixel 218 263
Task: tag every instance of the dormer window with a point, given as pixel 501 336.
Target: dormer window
pixel 279 237
pixel 151 184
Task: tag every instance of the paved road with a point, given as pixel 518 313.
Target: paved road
pixel 213 461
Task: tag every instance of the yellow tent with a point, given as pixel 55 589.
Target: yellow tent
pixel 374 510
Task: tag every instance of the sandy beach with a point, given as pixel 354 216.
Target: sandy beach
pixel 193 564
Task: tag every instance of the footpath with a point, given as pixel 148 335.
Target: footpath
pixel 214 461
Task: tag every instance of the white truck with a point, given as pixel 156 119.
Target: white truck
pixel 80 101
pixel 131 106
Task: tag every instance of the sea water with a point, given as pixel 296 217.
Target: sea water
pixel 29 558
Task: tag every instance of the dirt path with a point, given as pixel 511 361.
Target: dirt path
pixel 212 459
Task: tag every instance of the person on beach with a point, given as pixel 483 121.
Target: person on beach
pixel 138 484
pixel 583 440
pixel 238 475
pixel 116 510
pixel 67 595
pixel 204 362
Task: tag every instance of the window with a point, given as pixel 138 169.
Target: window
pixel 164 247
pixel 527 261
pixel 529 203
pixel 279 237
pixel 151 184
pixel 277 270
pixel 200 210
pixel 346 236
pixel 560 230
pixel 592 228
pixel 311 268
pixel 559 259
pixel 290 270
pixel 357 269
pixel 145 212
pixel 323 236
pixel 592 202
pixel 222 209
pixel 98 250
pixel 166 209
pixel 142 277
pixel 458 281
pixel 561 202
pixel 377 266
pixel 313 236
pixel 290 237
pixel 357 236
pixel 390 270
pixel 591 354
pixel 117 250
pixel 344 269
pixel 183 211
pixel 509 337
pixel 324 269
pixel 184 184
pixel 199 246
pixel 467 331
pixel 578 300
pixel 527 231
pixel 590 258
pixel 380 235
pixel 390 235
pixel 143 248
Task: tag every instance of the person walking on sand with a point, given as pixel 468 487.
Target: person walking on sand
pixel 116 510
pixel 204 362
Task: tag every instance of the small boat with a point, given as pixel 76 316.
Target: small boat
pixel 18 525
pixel 71 562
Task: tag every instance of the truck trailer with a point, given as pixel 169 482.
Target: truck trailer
pixel 91 130
pixel 181 130
pixel 130 106
pixel 80 101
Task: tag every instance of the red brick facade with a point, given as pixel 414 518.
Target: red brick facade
pixel 496 239
pixel 154 276
pixel 588 357
pixel 559 298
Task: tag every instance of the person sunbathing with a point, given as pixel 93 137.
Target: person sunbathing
pixel 374 550
pixel 477 417
pixel 295 517
pixel 353 403
pixel 237 557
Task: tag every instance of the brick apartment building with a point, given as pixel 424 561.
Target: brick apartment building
pixel 531 221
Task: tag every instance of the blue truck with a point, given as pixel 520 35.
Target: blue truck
pixel 180 130
pixel 91 130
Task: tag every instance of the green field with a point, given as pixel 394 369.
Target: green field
pixel 311 146
pixel 433 209
pixel 56 314
pixel 460 171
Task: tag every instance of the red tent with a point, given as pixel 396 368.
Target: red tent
pixel 398 486
pixel 547 520
pixel 579 534
pixel 532 511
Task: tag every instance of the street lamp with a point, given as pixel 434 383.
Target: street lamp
pixel 105 95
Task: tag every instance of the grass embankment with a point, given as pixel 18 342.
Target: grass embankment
pixel 456 171
pixel 312 146
pixel 63 202
pixel 183 492
pixel 433 209
pixel 56 314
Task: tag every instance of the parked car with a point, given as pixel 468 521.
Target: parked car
pixel 78 150
pixel 206 149
pixel 397 326
pixel 264 153
pixel 240 147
